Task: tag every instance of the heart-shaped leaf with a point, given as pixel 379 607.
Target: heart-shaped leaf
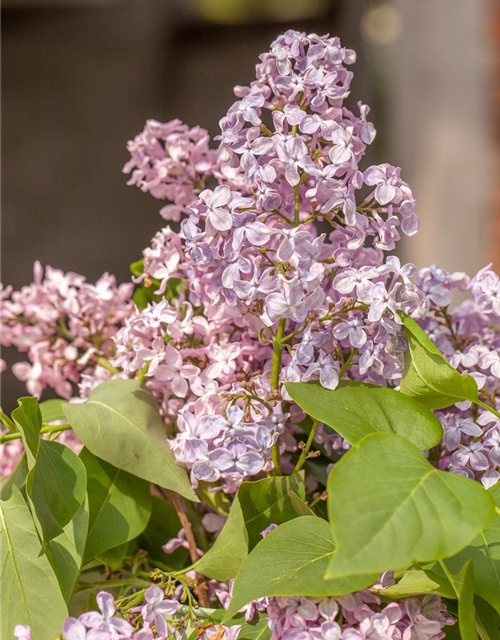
pixel 52 410
pixel 356 409
pixel 30 592
pixel 256 505
pixel 120 424
pixel 484 551
pixel 65 553
pixel 389 508
pixel 119 505
pixel 56 481
pixel 291 561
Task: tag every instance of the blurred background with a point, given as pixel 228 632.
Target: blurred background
pixel 80 77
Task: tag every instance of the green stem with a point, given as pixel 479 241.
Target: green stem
pixel 450 577
pixel 277 353
pixel 107 365
pixel 9 424
pixel 129 582
pixel 347 363
pixel 296 217
pixel 53 429
pixel 305 450
pixel 275 383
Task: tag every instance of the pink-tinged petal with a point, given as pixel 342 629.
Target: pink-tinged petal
pixel 73 629
pixel 258 233
pixel 410 224
pixel 91 619
pixel 329 378
pixel 168 607
pixel 292 175
pixel 161 625
pixel 106 604
pixel 154 595
pixel 220 196
pixel 23 632
pixel 374 175
pixel 122 626
pixel 220 219
pixel 339 154
pixel 357 337
pixel 385 193
pixel 341 331
pixel 180 386
pixel 249 163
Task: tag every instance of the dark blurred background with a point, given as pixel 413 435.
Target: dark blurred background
pixel 80 77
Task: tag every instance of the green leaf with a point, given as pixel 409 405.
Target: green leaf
pixel 30 591
pixel 223 559
pixel 65 553
pixel 390 508
pixel 428 376
pixel 484 551
pixel 56 480
pixel 52 410
pixel 114 557
pixel 291 561
pixel 137 267
pixel 120 424
pixel 56 487
pixel 163 525
pixel 119 505
pixel 356 409
pixel 256 629
pixel 464 587
pixel 487 620
pixel 28 421
pixel 418 582
pixel 256 505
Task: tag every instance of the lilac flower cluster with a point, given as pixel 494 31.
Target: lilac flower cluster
pixel 469 336
pixel 172 162
pixel 255 268
pixel 153 620
pixel 65 325
pixel 357 616
pixel 197 374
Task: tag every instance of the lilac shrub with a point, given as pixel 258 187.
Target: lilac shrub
pixel 267 347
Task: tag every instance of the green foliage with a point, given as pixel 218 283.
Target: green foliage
pixel 53 410
pixel 119 505
pixel 56 481
pixel 355 409
pixel 464 585
pixel 65 553
pixel 30 592
pixel 484 552
pixel 163 525
pixel 120 424
pixel 144 294
pixel 428 376
pixel 256 505
pixel 292 561
pixel 418 582
pixel 487 620
pixel 389 508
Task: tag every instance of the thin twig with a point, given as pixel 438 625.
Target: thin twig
pixel 201 588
